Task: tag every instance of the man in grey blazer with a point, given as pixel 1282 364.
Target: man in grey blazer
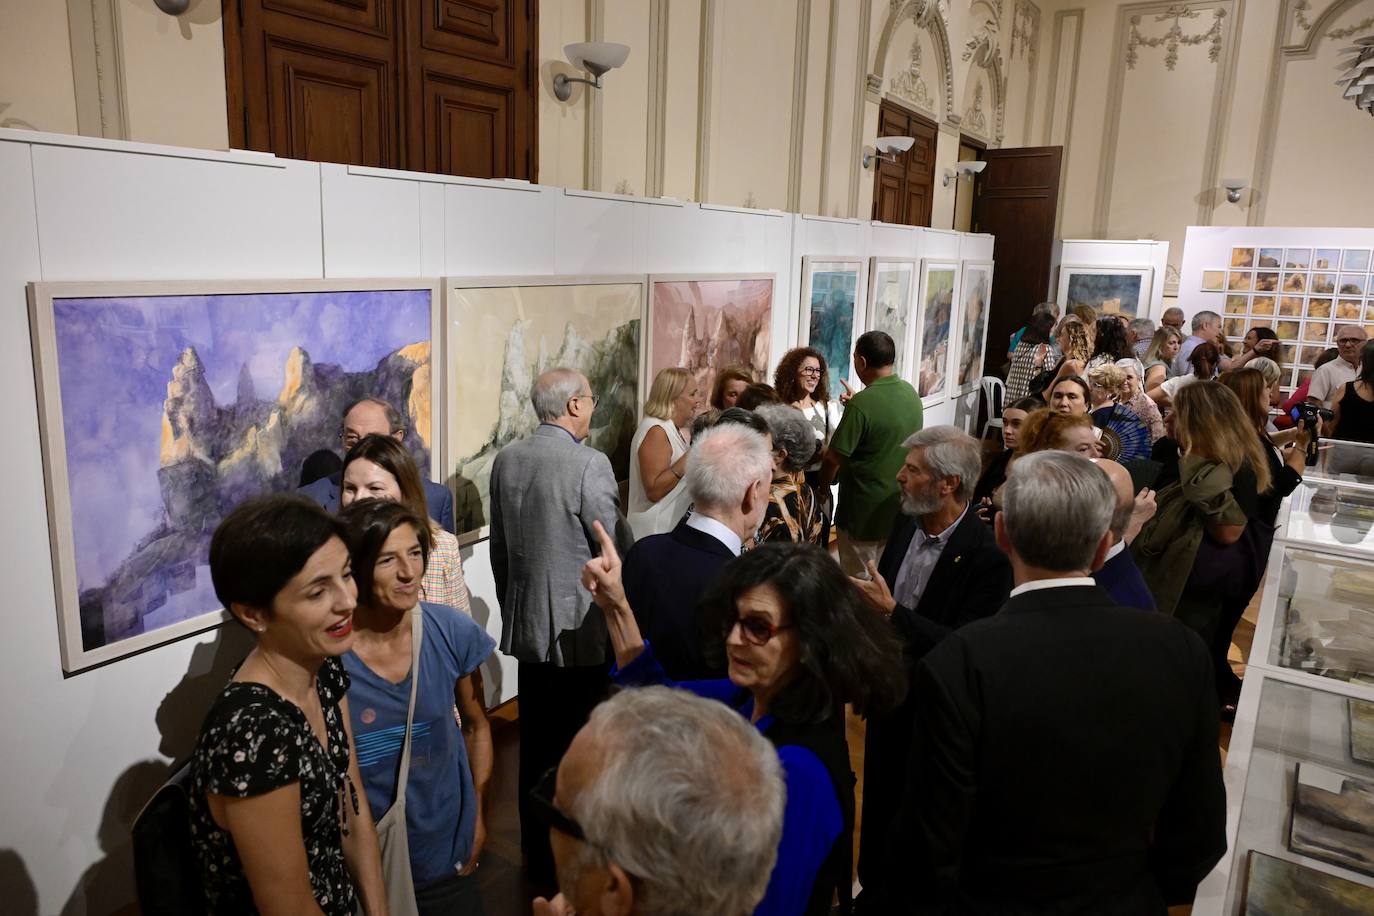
pixel 546 490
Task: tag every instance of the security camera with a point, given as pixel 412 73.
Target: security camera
pixel 596 57
pixel 887 148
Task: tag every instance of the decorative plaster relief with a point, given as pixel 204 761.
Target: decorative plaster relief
pixel 909 85
pixel 1349 31
pixel 1025 32
pixel 975 119
pixel 1300 15
pixel 982 47
pixel 1175 36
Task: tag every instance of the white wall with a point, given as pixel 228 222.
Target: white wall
pixel 84 751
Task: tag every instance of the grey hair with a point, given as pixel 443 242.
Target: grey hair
pixel 1204 318
pixel 1049 308
pixel 1143 328
pixel 393 416
pixel 1130 362
pixel 724 463
pixel 1056 507
pixel 551 392
pixel 791 432
pixel 688 798
pixel 1267 368
pixel 950 452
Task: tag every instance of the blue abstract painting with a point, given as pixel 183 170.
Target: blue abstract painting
pixel 832 321
pixel 174 408
pixel 1109 294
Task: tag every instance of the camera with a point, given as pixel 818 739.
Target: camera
pixel 1306 416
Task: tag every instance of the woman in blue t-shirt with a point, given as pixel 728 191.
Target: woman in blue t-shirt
pixel 449 766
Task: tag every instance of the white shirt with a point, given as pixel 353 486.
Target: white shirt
pixel 1328 382
pixel 1171 386
pixel 921 556
pixel 1039 584
pixel 1116 549
pixel 715 529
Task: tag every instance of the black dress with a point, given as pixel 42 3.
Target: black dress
pixel 253 741
pixel 1357 417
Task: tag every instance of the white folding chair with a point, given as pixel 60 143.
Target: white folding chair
pixel 993 392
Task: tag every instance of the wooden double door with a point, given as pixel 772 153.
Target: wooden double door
pixel 445 86
pixel 903 190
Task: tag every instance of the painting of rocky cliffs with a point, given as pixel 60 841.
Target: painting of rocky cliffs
pixel 502 337
pixel 162 412
pixel 830 303
pixel 710 322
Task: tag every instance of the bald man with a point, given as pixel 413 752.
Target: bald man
pixel 1328 382
pixel 1118 573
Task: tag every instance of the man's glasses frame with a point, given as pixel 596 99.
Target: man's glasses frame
pixel 596 398
pixel 544 808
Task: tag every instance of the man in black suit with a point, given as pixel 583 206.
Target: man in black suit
pixel 941 568
pixel 728 472
pixel 363 417
pixel 1119 575
pixel 1064 756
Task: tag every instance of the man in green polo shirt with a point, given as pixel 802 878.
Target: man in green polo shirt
pixel 866 452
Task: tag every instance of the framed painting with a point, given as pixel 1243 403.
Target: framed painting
pixel 1119 290
pixel 503 332
pixel 1274 886
pixel 708 322
pixel 892 284
pixel 939 282
pixel 1333 818
pixel 832 302
pixel 975 296
pixel 164 405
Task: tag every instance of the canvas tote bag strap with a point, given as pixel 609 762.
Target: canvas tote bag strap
pixel 417 617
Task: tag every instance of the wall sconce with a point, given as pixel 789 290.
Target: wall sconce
pixel 173 7
pixel 1234 187
pixel 885 149
pixel 596 57
pixel 964 169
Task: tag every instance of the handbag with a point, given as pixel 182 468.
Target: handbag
pixel 166 873
pixel 391 829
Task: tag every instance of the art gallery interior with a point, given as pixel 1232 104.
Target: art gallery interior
pixel 1166 149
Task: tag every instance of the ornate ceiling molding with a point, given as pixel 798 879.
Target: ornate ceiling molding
pixel 975 119
pixel 1175 36
pixel 909 85
pixel 931 15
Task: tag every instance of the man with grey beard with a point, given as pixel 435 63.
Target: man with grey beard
pixel 940 570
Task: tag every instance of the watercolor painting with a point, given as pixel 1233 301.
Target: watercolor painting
pixel 831 290
pixel 1355 259
pixel 1213 280
pixel 1333 818
pixel 975 296
pixel 937 312
pixel 708 323
pixel 1117 291
pixel 165 406
pixel 889 306
pixel 503 335
pixel 1245 257
pixel 1362 727
pixel 1268 257
pixel 1276 887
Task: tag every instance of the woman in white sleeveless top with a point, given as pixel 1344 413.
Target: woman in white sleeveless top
pixel 658 455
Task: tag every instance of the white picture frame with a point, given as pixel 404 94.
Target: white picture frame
pixel 968 272
pixel 935 330
pixel 1110 279
pixel 833 271
pixel 883 272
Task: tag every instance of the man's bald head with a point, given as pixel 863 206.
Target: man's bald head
pixel 1125 495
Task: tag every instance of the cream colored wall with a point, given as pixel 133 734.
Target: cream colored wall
pixel 1146 146
pixel 36 67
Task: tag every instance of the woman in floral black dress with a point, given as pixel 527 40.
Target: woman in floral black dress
pixel 277 821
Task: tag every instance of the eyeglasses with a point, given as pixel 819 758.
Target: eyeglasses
pixel 1349 341
pixel 596 399
pixel 542 796
pixel 813 371
pixel 756 631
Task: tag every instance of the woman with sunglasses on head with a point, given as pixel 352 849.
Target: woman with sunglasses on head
pixel 449 765
pixel 800 643
pixel 658 455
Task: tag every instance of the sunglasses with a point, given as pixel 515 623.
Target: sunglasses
pixel 756 631
pixel 544 808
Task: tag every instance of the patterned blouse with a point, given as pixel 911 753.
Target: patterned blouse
pixel 443 582
pixel 792 512
pixel 252 742
pixel 1027 360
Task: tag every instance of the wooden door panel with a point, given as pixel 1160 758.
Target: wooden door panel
pixel 889 204
pixel 1017 201
pixel 903 190
pixel 467 128
pixel 481 29
pixel 370 16
pixel 326 107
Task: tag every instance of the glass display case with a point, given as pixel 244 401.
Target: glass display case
pixel 1330 513
pixel 1350 462
pixel 1300 762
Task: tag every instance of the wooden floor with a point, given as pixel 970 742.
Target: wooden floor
pixel 502 877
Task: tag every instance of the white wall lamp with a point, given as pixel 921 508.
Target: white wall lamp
pixel 1234 187
pixel 885 149
pixel 596 57
pixel 172 7
pixel 964 170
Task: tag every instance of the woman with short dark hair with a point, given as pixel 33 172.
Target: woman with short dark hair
pixel 729 385
pixel 800 643
pixel 792 513
pixel 276 821
pixel 449 773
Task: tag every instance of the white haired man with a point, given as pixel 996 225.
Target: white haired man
pixel 729 469
pixel 1206 329
pixel 665 803
pixel 1064 757
pixel 546 491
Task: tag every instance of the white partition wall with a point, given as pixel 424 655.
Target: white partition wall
pixel 85 751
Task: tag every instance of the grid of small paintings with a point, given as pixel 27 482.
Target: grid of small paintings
pixel 1304 294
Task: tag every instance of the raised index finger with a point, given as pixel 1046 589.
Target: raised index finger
pixel 608 551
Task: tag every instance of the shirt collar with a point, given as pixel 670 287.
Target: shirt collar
pixel 1040 584
pixel 1116 549
pixel 707 525
pixel 943 535
pixel 561 430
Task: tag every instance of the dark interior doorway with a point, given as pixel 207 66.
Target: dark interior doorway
pixel 902 190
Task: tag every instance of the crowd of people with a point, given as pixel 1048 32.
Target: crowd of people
pixel 1036 639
